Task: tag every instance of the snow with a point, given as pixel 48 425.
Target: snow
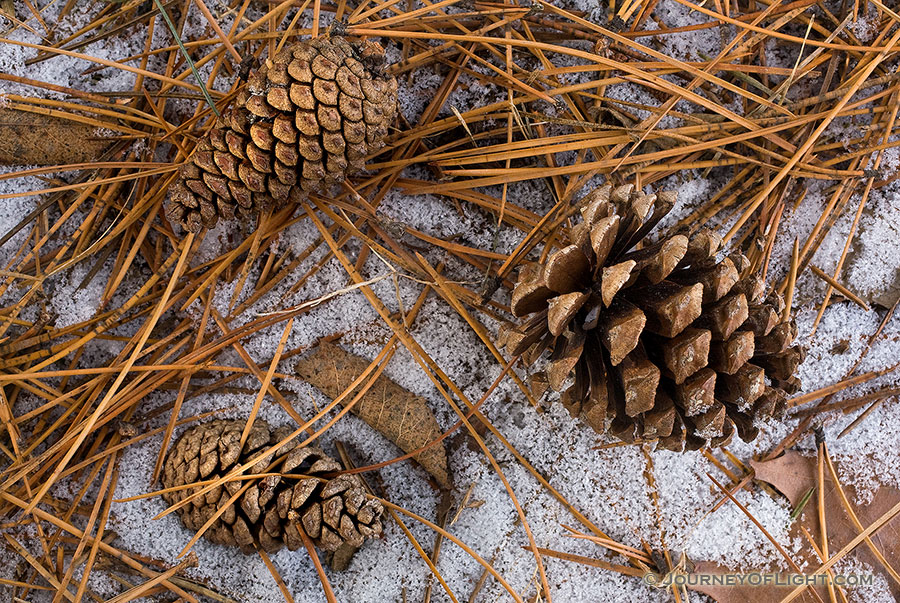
pixel 610 484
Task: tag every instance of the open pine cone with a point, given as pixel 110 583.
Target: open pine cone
pixel 305 120
pixel 665 341
pixel 334 513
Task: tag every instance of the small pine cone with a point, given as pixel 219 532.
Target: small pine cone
pixel 305 120
pixel 662 342
pixel 334 513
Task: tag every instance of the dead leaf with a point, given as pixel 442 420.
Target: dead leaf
pixel 793 475
pixel 402 417
pixel 801 470
pixel 887 298
pixel 32 139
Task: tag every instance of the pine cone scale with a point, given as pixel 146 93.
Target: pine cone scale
pixel 697 393
pixel 669 307
pixel 686 353
pixel 613 278
pixel 640 379
pixel 620 330
pixel 731 354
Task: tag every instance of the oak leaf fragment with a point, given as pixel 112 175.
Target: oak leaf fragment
pixel 398 414
pixel 794 475
pixel 793 468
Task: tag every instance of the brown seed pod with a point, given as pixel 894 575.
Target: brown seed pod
pixel 662 342
pixel 335 513
pixel 305 120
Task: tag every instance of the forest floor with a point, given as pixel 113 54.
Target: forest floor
pixel 772 121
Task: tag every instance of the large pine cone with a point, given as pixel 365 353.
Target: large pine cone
pixel 665 341
pixel 306 118
pixel 334 513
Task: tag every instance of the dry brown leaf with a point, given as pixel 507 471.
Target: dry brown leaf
pixel 31 139
pixel 402 417
pixel 793 475
pixel 887 297
pixel 798 473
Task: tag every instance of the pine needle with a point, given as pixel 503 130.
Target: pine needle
pixel 187 56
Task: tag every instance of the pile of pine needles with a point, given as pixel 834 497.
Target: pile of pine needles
pixel 558 122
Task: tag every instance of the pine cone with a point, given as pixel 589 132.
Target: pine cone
pixel 663 342
pixel 334 513
pixel 307 118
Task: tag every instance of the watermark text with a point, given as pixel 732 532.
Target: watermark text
pixel 756 579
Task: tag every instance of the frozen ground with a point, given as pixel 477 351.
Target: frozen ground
pixel 608 485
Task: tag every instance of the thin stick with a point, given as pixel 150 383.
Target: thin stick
pixel 145 587
pixel 841 288
pixel 314 556
pixel 266 381
pixel 215 25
